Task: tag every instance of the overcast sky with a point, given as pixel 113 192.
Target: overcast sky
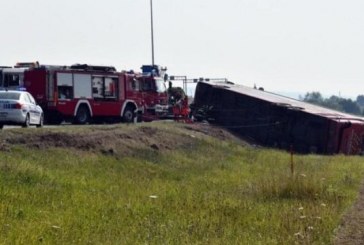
pixel 281 45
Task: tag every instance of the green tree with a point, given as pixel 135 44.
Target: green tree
pixel 336 103
pixel 314 98
pixel 350 106
pixel 360 100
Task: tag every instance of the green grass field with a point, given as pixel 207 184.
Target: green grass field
pixel 205 192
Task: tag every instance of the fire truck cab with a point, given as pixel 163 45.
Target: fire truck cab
pixel 151 84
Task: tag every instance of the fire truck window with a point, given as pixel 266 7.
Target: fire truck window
pixel 65 92
pixel 147 85
pixel 110 88
pixel 135 85
pixel 160 86
pixel 11 80
pixel 14 80
pixel 97 87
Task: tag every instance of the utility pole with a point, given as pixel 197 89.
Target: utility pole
pixel 152 31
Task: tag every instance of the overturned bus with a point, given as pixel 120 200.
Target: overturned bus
pixel 277 121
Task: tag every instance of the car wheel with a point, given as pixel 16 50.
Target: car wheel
pixel 41 121
pixel 128 115
pixel 26 124
pixel 82 115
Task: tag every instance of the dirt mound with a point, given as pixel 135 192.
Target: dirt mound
pixel 211 131
pixel 111 139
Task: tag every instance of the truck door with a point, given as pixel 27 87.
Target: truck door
pixel 105 94
pixel 147 91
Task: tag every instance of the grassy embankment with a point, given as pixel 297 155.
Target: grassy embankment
pixel 208 192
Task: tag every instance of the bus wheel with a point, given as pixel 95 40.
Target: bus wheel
pixel 128 115
pixel 82 115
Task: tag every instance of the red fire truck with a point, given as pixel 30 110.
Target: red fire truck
pixel 84 93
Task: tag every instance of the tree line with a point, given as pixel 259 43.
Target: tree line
pixel 337 103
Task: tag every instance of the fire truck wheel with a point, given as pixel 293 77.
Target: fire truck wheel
pixel 128 115
pixel 27 122
pixel 41 121
pixel 82 115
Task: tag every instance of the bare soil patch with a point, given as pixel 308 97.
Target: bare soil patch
pixel 351 231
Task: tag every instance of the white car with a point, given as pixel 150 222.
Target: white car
pixel 19 108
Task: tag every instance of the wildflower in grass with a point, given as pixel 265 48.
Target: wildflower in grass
pixel 323 204
pixel 56 227
pixel 299 235
pixel 310 228
pixel 153 196
pixel 300 208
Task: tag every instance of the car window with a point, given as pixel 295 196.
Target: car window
pixel 10 96
pixel 31 99
pixel 26 98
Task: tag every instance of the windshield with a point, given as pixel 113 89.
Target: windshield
pixel 9 96
pixel 160 86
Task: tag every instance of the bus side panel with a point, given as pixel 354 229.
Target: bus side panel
pixel 333 137
pixel 353 139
